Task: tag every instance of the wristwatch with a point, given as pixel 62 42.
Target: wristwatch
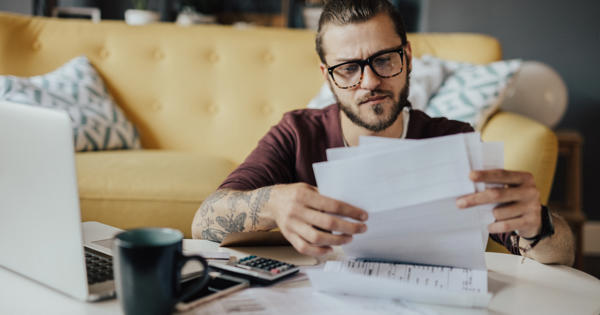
pixel 547 228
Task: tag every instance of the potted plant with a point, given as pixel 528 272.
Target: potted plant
pixel 140 15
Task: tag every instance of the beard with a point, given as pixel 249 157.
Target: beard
pixel 383 121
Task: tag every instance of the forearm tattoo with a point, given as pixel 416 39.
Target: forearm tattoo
pixel 210 201
pixel 262 196
pixel 239 205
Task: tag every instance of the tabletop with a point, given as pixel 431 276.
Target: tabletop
pixel 518 287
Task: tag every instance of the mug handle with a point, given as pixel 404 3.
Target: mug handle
pixel 198 285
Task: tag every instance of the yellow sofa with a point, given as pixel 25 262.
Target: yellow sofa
pixel 201 98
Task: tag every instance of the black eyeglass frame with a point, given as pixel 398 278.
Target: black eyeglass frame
pixel 368 61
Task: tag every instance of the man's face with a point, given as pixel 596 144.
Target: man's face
pixel 376 102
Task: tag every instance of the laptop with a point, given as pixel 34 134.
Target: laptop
pixel 41 234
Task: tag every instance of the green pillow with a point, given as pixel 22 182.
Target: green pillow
pixel 76 87
pixel 471 93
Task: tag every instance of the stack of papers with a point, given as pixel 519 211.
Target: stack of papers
pixel 409 188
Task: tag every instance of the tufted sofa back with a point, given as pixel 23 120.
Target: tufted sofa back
pixel 210 89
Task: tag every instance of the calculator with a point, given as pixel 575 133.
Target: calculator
pixel 258 270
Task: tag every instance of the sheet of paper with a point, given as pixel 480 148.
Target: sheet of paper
pixel 480 156
pixel 461 287
pixel 374 145
pixel 409 221
pixel 493 154
pixel 293 301
pixel 434 277
pixel 433 233
pixel 443 246
pixel 395 179
pixel 370 145
pixel 493 158
pixel 207 249
pixel 377 144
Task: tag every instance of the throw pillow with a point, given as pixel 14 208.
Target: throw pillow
pixel 323 99
pixel 76 87
pixel 428 74
pixel 472 92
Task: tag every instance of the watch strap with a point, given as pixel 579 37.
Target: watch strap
pixel 546 230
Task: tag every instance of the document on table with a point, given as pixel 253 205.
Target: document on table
pixel 292 301
pixel 409 188
pixel 418 283
pixel 456 279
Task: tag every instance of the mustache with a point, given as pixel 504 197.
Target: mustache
pixel 375 93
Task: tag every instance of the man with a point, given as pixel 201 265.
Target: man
pixel 366 59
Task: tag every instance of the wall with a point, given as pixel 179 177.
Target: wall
pixel 563 34
pixel 17 6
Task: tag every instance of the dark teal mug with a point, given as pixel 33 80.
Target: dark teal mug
pixel 147 265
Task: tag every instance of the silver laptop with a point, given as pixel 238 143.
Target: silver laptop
pixel 41 234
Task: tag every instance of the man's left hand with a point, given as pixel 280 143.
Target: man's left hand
pixel 518 201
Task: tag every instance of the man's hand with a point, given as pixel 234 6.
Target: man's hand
pixel 519 205
pixel 307 218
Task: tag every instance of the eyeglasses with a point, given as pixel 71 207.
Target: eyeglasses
pixel 385 64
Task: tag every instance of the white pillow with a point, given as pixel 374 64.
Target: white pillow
pixel 472 92
pixel 426 77
pixel 76 87
pixel 323 99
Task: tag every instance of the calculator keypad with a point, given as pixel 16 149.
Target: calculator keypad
pixel 264 264
pixel 258 269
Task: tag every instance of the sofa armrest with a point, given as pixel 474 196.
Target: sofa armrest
pixel 528 146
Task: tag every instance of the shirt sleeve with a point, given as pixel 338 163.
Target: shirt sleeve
pixel 271 162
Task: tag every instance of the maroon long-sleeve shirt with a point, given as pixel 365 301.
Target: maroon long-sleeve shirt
pixel 287 152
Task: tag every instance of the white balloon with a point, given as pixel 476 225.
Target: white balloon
pixel 537 91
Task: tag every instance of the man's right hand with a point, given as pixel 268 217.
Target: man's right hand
pixel 307 218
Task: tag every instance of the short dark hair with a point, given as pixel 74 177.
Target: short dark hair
pixel 343 12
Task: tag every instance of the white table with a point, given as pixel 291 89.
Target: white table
pixel 528 288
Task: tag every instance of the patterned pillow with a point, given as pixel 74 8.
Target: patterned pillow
pixel 472 92
pixel 76 87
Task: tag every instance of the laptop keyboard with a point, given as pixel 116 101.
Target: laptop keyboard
pixel 99 266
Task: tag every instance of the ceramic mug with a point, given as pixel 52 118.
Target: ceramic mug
pixel 147 266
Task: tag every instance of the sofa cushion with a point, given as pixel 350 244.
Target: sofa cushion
pixel 76 87
pixel 472 93
pixel 138 188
